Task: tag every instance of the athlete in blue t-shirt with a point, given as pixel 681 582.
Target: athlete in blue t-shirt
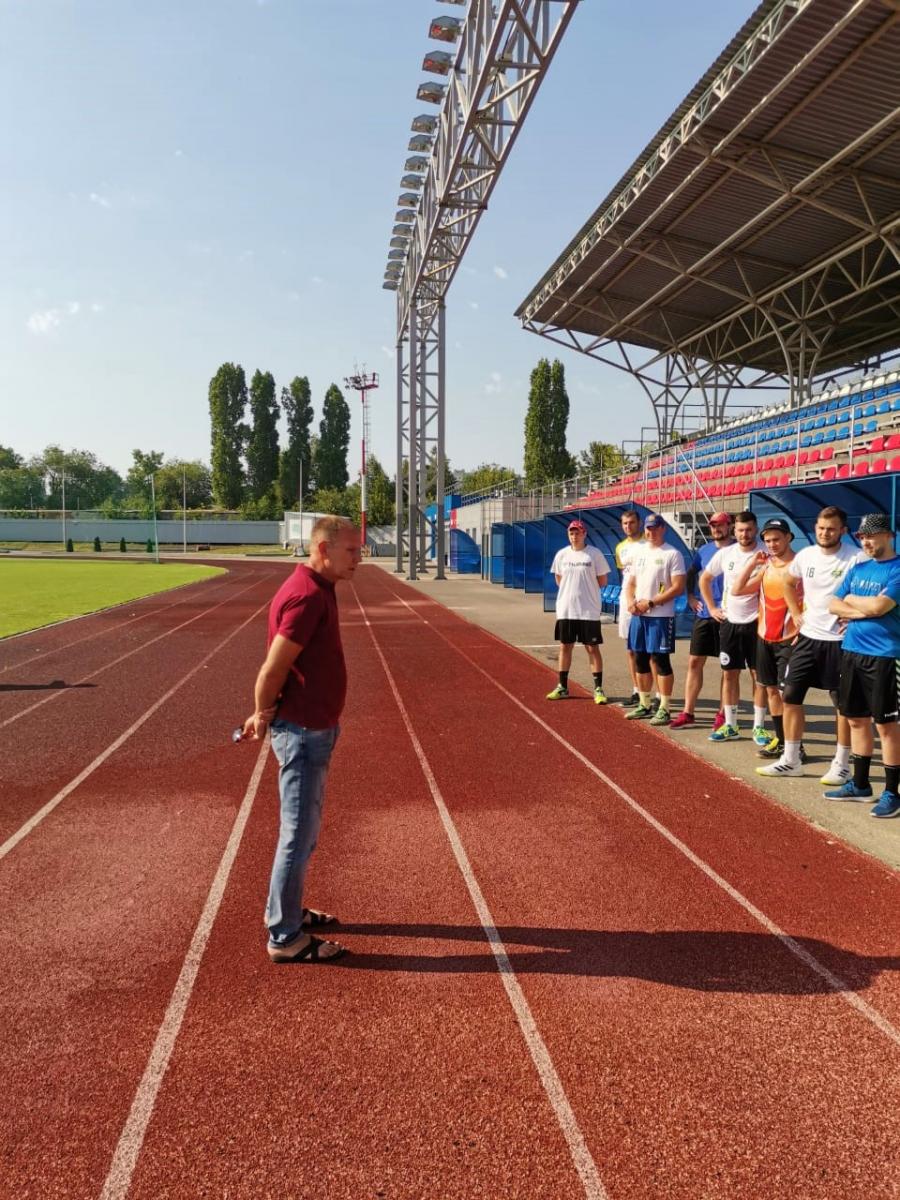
pixel 867 600
pixel 705 634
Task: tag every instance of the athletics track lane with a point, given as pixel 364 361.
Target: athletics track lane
pixel 46 749
pixel 220 1078
pixel 101 899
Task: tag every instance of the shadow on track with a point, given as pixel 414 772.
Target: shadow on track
pixel 55 685
pixel 749 963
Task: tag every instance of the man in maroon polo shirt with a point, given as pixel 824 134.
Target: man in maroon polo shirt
pixel 300 692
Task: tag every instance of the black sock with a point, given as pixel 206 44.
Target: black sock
pixel 861 764
pixel 564 679
pixel 891 778
pixel 598 679
pixel 778 726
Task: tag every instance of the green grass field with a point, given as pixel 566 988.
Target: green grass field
pixel 37 593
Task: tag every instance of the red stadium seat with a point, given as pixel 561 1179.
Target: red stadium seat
pixel 803 458
pixel 893 443
pixel 815 455
pixel 876 445
pixel 844 471
pixel 826 453
pixel 861 468
pixel 784 480
pixel 778 462
pixel 790 459
pixel 879 466
pixel 829 473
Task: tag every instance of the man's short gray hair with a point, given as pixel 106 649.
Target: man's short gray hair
pixel 329 529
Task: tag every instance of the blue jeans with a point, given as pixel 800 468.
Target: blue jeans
pixel 303 756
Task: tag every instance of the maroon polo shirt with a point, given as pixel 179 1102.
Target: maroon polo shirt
pixel 304 611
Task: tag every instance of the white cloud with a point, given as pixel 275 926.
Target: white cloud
pixel 388 352
pixel 473 304
pixel 43 322
pixel 500 273
pixel 73 307
pixel 96 308
pixel 179 154
pixel 102 201
pixel 316 279
pixel 495 385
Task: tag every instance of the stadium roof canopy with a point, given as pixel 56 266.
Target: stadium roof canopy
pixel 760 229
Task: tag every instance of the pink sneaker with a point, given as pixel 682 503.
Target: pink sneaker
pixel 719 719
pixel 682 721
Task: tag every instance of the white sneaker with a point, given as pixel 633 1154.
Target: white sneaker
pixel 836 775
pixel 781 768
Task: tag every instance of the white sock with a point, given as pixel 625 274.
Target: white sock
pixel 759 717
pixel 842 757
pixel 791 754
pixel 731 715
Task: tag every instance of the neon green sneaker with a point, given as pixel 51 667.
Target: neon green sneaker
pixel 600 696
pixel 558 693
pixel 643 712
pixel 725 733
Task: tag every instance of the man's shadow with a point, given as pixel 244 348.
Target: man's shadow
pixel 55 685
pixel 699 960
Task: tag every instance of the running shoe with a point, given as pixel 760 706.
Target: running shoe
pixel 887 806
pixel 662 716
pixel 558 693
pixel 725 733
pixel 836 775
pixel 761 735
pixel 682 721
pixel 850 792
pixel 719 719
pixel 781 769
pixel 654 703
pixel 772 749
pixel 600 696
pixel 640 713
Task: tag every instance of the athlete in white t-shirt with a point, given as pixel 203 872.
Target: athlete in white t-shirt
pixel 816 657
pixel 580 572
pixel 634 536
pixel 656 576
pixel 737 634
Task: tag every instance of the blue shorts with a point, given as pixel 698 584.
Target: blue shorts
pixel 652 635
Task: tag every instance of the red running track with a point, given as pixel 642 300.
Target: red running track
pixel 583 962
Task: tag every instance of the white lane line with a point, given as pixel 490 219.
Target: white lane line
pixel 834 982
pixel 540 1055
pixel 101 758
pixel 124 1160
pixel 63 648
pixel 137 650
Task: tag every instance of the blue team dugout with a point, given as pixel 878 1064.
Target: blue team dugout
pixel 500 546
pixel 534 557
pixel 465 557
pixel 799 505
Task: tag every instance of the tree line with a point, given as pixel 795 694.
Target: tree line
pixel 254 471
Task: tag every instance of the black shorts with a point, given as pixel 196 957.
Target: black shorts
pixel 814 664
pixel 705 638
pixel 772 660
pixel 589 633
pixel 868 687
pixel 737 646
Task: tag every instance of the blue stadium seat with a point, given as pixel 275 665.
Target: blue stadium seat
pixel 895 404
pixel 857 429
pixel 817 438
pixel 806 440
pixel 870 426
pixel 869 410
pixel 844 402
pixel 883 407
pixel 843 432
pixel 830 435
pixel 831 419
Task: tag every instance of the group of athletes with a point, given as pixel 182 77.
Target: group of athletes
pixel 825 617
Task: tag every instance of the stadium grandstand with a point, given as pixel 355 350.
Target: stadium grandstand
pixel 754 246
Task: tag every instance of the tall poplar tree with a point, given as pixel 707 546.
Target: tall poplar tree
pixel 334 439
pixel 296 455
pixel 538 458
pixel 262 444
pixel 562 465
pixel 227 402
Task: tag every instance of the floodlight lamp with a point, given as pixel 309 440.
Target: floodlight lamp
pixel 433 93
pixel 424 123
pixel 408 200
pixel 445 29
pixel 412 181
pixel 405 216
pixel 421 143
pixel 396 255
pixel 453 1
pixel 390 285
pixel 401 231
pixel 438 62
pixel 416 163
pixel 399 243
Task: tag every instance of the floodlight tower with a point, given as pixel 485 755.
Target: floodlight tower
pixel 363 383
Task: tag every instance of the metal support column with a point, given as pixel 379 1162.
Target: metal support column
pixel 412 446
pixel 441 458
pixel 398 482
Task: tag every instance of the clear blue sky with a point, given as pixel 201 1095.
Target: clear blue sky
pixel 188 182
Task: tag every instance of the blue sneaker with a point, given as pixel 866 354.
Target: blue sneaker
pixel 887 806
pixel 761 735
pixel 725 733
pixel 849 792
